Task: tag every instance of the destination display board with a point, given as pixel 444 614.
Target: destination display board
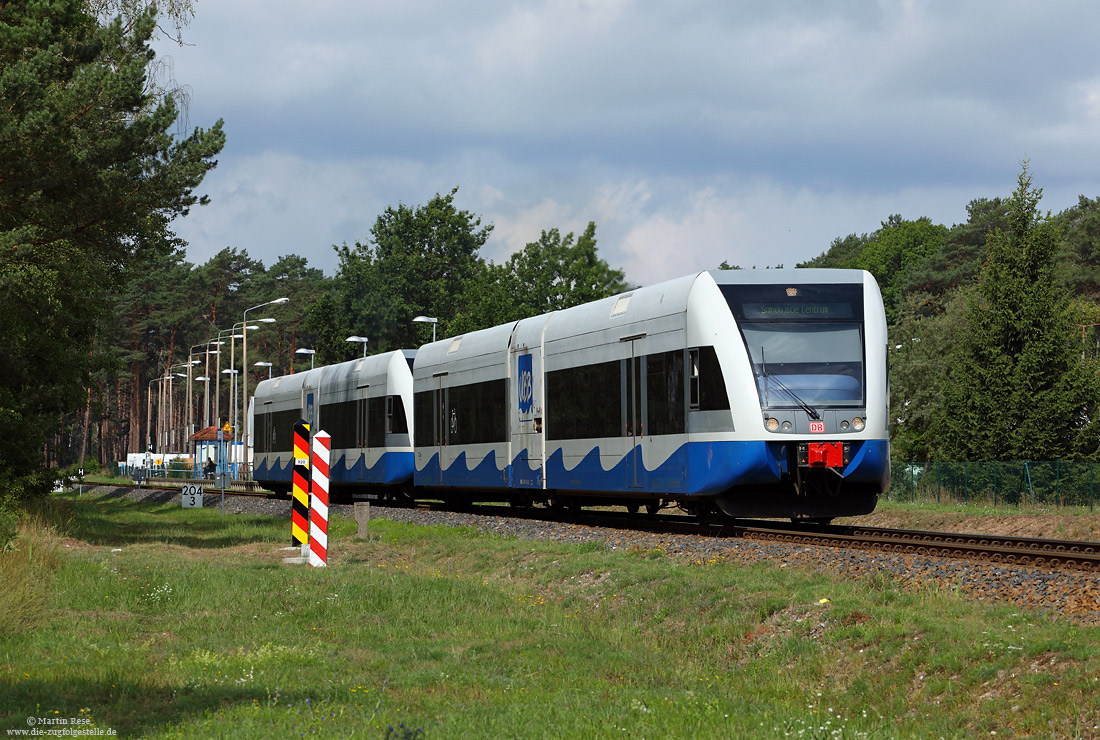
pixel 797 310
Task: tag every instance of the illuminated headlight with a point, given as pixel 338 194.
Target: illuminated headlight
pixel 844 425
pixel 857 424
pixel 771 424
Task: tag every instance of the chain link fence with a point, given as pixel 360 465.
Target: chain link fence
pixel 998 483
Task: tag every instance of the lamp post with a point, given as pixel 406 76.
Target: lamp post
pixel 218 374
pixel 149 415
pixel 267 365
pixel 244 355
pixel 206 392
pixel 232 372
pixel 205 380
pixel 169 421
pixel 428 320
pixel 304 351
pixel 233 337
pixel 173 435
pixel 233 359
pixel 364 340
pixel 191 362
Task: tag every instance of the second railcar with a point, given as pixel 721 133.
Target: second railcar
pixel 364 406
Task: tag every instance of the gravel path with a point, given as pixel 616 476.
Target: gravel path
pixel 1074 594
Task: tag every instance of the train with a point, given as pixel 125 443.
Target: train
pixel 744 393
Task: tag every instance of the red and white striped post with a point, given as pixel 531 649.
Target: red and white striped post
pixel 318 504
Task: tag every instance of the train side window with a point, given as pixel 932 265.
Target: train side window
pixel 584 402
pixel 477 413
pixel 707 385
pixel 424 419
pixel 376 422
pixel 665 393
pixel 396 422
pixel 338 419
pixel 693 378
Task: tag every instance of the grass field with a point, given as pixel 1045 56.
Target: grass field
pixel 154 621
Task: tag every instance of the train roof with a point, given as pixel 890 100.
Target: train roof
pixel 814 275
pixel 623 313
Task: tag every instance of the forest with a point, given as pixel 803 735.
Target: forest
pixel 993 322
pixel 170 314
pixel 993 328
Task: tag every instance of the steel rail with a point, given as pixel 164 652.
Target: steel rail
pixel 998 549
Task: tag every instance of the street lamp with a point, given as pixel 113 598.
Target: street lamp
pixel 364 340
pixel 168 394
pixel 244 356
pixel 218 373
pixel 428 320
pixel 191 362
pixel 267 365
pixel 233 356
pixel 172 434
pixel 304 351
pixel 149 416
pixel 232 373
pixel 206 372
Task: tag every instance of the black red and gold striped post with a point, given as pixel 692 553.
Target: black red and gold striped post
pixel 299 513
pixel 318 504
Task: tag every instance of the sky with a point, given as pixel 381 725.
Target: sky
pixel 690 132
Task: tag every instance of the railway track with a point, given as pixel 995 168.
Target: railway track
pixel 1006 550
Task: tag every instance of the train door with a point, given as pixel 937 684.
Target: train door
pixel 361 432
pixel 528 445
pixel 263 431
pixel 634 412
pixel 440 422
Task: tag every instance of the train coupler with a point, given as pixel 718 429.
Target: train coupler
pixel 824 454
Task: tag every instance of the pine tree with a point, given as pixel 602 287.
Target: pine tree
pixel 1017 389
pixel 90 181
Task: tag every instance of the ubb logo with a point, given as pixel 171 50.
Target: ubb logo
pixel 526 384
pixel 525 390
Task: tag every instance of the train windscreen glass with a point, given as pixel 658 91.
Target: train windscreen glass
pixel 805 342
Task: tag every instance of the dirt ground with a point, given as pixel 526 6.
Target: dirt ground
pixel 1047 524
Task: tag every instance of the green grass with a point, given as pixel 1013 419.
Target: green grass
pixel 162 622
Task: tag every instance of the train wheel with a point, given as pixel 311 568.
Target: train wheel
pixel 632 508
pixel 653 507
pixel 811 519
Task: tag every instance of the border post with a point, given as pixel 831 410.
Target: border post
pixel 318 514
pixel 299 513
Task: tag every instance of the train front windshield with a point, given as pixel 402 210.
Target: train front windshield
pixel 805 342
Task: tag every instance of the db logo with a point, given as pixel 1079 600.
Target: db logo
pixel 817 427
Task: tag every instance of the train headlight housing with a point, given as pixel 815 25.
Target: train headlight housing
pixel 771 424
pixel 844 425
pixel 786 426
pixel 857 424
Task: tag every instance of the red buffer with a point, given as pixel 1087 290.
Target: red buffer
pixel 825 455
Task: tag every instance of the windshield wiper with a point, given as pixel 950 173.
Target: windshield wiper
pixel 783 387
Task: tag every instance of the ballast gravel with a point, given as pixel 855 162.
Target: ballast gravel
pixel 1073 594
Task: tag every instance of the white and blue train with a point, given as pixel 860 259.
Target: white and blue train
pixel 757 393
